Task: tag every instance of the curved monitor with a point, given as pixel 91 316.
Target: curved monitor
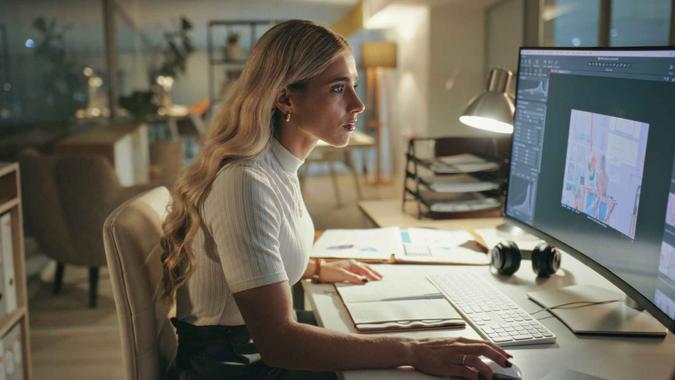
pixel 593 163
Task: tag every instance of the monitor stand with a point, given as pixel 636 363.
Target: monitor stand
pixel 612 318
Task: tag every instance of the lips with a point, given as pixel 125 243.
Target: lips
pixel 350 126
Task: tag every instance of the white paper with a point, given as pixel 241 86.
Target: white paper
pixel 372 243
pixel 389 290
pixel 461 159
pixel 492 237
pixel 410 244
pixel 424 244
pixel 462 163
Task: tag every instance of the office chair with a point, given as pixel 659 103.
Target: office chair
pixel 131 235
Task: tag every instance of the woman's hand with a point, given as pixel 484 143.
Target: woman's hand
pixel 457 357
pixel 350 271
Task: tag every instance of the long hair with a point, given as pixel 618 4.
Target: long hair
pixel 286 56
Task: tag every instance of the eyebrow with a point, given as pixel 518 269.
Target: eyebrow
pixel 342 79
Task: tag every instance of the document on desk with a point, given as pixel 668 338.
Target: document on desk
pixel 382 306
pixel 491 237
pixel 395 245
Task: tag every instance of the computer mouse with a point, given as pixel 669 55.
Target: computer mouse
pixel 503 373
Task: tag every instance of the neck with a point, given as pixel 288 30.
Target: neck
pixel 296 141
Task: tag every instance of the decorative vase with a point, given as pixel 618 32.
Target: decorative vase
pixel 234 52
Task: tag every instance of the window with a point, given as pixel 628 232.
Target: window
pixel 640 23
pixel 570 22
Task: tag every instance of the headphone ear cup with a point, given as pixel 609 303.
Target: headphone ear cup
pixel 505 257
pixel 545 259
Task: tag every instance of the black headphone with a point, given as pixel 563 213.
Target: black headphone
pixel 505 258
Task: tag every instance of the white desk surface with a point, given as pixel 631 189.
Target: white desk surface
pixel 388 213
pixel 604 357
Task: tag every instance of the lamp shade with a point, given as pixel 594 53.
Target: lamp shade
pixel 492 110
pixel 378 54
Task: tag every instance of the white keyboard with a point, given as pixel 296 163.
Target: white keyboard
pixel 490 311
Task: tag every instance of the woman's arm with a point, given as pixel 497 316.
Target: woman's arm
pixel 351 271
pixel 285 343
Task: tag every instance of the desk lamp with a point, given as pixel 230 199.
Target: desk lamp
pixel 493 111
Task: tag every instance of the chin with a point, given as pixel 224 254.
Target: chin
pixel 338 141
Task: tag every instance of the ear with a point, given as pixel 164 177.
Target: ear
pixel 283 101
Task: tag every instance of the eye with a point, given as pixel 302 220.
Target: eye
pixel 356 85
pixel 338 88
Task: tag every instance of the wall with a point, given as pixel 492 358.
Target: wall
pixel 504 34
pixel 410 113
pixel 457 70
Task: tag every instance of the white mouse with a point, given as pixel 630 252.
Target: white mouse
pixel 503 373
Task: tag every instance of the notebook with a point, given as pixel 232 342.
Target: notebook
pixel 386 306
pixel 396 245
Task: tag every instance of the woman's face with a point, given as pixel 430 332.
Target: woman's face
pixel 327 107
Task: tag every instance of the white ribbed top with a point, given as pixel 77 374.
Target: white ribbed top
pixel 257 232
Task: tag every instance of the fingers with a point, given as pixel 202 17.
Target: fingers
pixel 365 270
pixel 478 341
pixel 353 278
pixel 476 363
pixel 484 349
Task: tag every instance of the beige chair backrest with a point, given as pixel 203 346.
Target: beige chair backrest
pixel 131 236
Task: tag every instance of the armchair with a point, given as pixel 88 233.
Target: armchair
pixel 67 198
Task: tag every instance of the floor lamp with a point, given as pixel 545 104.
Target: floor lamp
pixel 375 58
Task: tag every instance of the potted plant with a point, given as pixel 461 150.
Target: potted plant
pixel 233 51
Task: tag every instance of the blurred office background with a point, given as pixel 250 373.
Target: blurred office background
pixel 137 81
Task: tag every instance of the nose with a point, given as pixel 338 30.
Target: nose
pixel 357 105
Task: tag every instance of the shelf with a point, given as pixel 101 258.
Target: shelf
pixel 215 28
pixel 8 204
pixel 466 202
pixel 451 165
pixel 6 167
pixel 8 321
pixel 460 180
pixel 10 201
pixel 458 183
pixel 238 22
pixel 217 61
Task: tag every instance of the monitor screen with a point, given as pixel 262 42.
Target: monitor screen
pixel 593 163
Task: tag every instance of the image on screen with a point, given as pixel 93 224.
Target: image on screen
pixel 667 260
pixel 670 210
pixel 603 168
pixel 664 303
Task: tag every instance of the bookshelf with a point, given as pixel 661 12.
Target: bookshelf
pixel 14 330
pixel 222 70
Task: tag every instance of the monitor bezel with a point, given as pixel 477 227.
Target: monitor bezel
pixel 631 292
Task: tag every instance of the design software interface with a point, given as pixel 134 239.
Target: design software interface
pixel 593 159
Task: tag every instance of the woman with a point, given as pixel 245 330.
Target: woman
pixel 238 233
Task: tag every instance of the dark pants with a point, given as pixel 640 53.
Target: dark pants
pixel 227 353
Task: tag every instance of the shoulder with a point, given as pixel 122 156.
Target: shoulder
pixel 243 172
pixel 242 182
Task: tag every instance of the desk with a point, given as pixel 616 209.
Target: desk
pixel 388 213
pixel 125 146
pixel 605 357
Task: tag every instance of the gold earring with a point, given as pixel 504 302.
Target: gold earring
pixel 288 117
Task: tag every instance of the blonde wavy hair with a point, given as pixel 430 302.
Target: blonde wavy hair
pixel 286 56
